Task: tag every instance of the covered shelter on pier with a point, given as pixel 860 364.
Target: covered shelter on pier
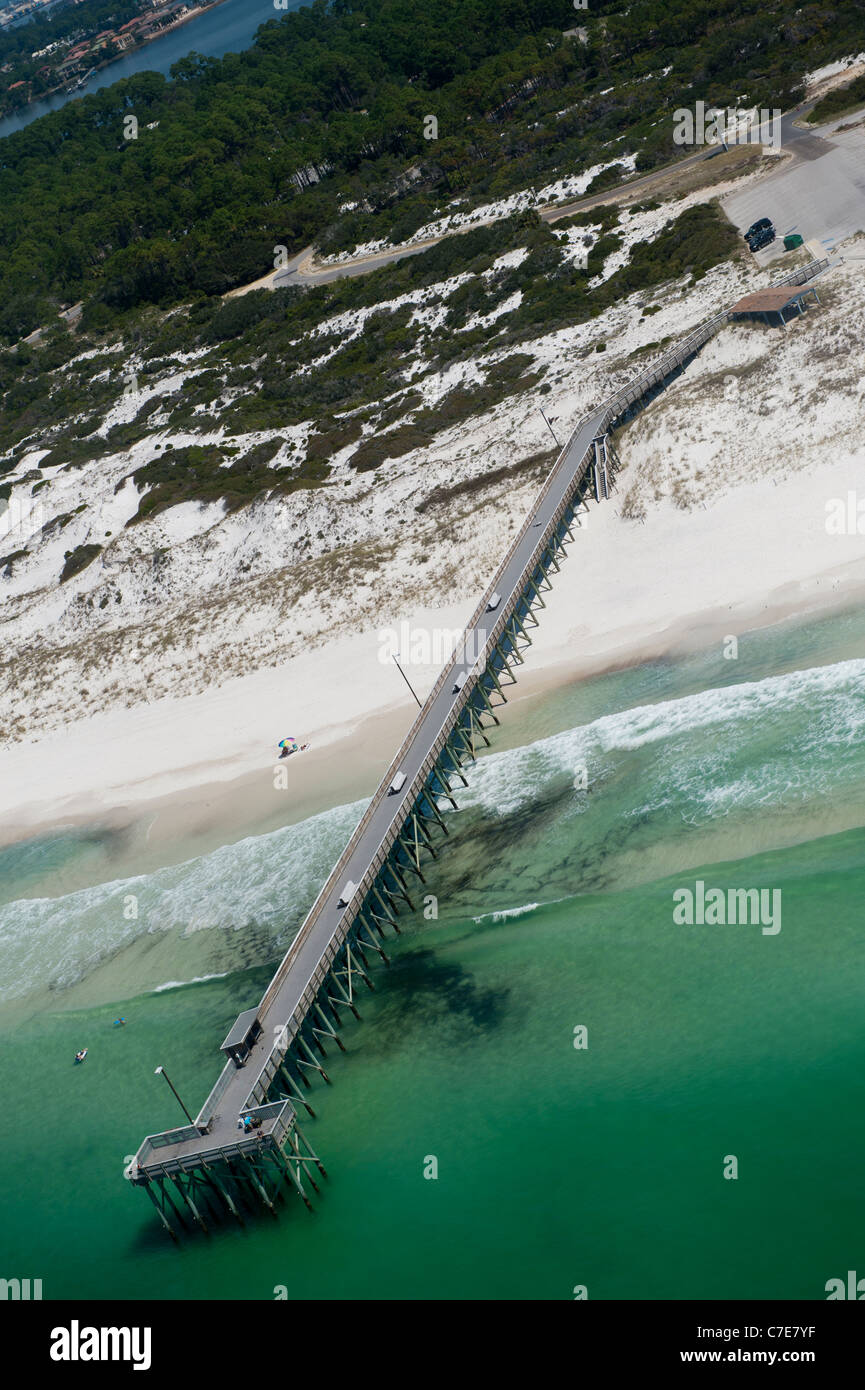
pixel 243 1036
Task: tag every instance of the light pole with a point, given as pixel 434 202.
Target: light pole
pixel 407 681
pixel 160 1071
pixel 548 425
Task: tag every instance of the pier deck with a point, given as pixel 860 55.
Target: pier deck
pixel 271 1048
pixel 385 812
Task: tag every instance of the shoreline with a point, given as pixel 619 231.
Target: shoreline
pixel 196 810
pixel 695 546
pixel 69 91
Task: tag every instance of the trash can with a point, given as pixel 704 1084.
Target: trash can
pixel 791 242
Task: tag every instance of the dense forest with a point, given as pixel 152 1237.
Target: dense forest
pixel 310 133
pixel 267 360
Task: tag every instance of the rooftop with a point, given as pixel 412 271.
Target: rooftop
pixel 769 301
pixel 241 1028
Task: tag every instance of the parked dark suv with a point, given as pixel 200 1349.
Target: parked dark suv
pixel 756 227
pixel 761 239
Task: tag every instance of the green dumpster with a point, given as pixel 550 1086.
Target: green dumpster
pixel 791 242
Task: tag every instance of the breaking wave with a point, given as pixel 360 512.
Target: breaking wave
pixel 749 745
pixel 698 759
pixel 505 913
pixel 266 881
pixel 196 980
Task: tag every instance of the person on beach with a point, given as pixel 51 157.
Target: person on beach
pixel 286 752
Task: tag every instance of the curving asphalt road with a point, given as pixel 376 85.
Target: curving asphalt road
pixel 824 203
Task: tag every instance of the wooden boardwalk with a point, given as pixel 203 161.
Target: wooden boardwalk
pixel 275 1047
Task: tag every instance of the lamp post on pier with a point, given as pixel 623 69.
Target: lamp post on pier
pixel 408 682
pixel 160 1071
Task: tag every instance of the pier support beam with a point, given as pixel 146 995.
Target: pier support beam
pixel 401 890
pixel 421 832
pixel 343 997
pixel 316 1066
pixel 435 813
pixel 372 944
pixel 390 912
pixel 486 699
pixel 223 1191
pixel 163 1218
pixel 189 1202
pixel 257 1184
pixel 309 1149
pixel 293 1094
pixel 409 863
pixel 168 1200
pixel 327 1027
pixel 439 774
pixel 530 583
pixel 293 1169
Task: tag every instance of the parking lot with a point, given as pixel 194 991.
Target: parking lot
pixel 819 193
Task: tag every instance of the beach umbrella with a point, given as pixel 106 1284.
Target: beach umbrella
pixel 284 741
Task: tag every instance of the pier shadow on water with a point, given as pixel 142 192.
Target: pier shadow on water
pixel 545 849
pixel 421 992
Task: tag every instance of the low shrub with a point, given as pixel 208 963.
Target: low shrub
pixel 78 560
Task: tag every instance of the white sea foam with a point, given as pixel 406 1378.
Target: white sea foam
pixel 196 980
pixel 505 913
pixel 699 758
pixel 265 880
pixel 832 698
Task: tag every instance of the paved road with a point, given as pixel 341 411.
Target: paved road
pixel 840 212
pixel 303 271
pixel 293 275
pixel 318 931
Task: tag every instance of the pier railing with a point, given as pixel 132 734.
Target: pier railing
pixel 207 1112
pixel 163 1140
pixel 613 409
pixel 276 1118
pixel 803 274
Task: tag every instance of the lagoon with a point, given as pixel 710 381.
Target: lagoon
pixel 226 28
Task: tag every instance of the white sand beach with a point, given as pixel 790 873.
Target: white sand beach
pixel 756 555
pixel 172 705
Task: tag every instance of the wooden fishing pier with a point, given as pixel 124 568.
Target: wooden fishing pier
pixel 246 1146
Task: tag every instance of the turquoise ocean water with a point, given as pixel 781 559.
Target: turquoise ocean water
pixel 557 1166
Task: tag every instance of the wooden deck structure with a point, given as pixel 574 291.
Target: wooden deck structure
pixel 246 1146
pixel 779 301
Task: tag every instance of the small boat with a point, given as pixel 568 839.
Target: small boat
pixel 79 1056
